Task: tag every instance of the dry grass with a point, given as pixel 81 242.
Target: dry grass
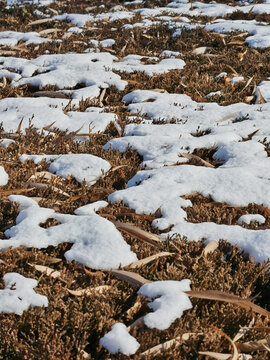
pixel 72 324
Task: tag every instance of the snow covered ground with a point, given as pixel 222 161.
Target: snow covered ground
pixel 167 129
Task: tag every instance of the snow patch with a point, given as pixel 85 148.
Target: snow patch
pixel 83 167
pixel 241 178
pixel 247 219
pixel 11 38
pixel 170 302
pixel 18 294
pixel 91 208
pixel 119 340
pixel 96 241
pixel 3 176
pixel 41 112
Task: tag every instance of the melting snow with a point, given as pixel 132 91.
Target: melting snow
pixel 238 131
pixel 83 167
pixel 169 304
pixel 241 178
pixel 11 38
pixel 82 19
pixel 41 112
pixel 18 294
pixel 264 87
pixel 119 340
pixel 247 219
pixel 94 70
pixel 10 3
pixel 91 208
pixel 96 241
pixel 132 63
pixel 3 176
pixel 6 142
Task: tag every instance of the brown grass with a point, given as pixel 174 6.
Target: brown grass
pixel 72 324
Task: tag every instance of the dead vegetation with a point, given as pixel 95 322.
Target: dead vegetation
pixel 205 209
pixel 74 321
pixel 84 303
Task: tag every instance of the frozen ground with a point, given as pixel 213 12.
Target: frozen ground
pixel 72 92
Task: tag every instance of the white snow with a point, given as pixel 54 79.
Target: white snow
pixel 169 54
pixel 91 208
pixel 165 128
pixel 3 176
pixel 6 142
pixel 9 75
pixel 102 43
pixel 241 178
pixel 132 63
pixel 107 42
pixel 259 33
pixel 96 241
pixel 82 19
pixel 94 70
pixel 119 340
pixel 169 304
pixel 161 144
pixel 24 202
pixel 83 167
pixel 11 38
pixel 89 69
pixel 43 111
pixel 180 7
pixel 18 294
pixel 247 219
pixel 237 79
pixel 264 87
pixel 10 3
pixel 75 30
pixel 214 93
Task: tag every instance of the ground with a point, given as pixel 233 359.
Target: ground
pixel 183 129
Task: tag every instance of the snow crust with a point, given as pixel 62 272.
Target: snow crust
pixel 18 294
pixel 119 340
pixel 169 304
pixel 96 241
